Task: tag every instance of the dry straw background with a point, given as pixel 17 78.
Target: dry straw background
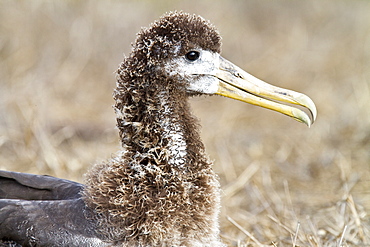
pixel 284 184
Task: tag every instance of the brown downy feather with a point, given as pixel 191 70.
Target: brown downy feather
pixel 152 194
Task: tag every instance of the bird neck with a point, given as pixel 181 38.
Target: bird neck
pixel 162 181
pixel 173 133
pixel 159 129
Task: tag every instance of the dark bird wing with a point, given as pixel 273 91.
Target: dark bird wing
pixel 15 185
pixel 44 211
pixel 47 223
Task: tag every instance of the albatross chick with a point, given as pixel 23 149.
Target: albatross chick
pixel 160 189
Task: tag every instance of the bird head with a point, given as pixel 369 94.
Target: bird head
pixel 186 48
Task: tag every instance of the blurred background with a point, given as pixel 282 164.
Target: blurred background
pixel 283 184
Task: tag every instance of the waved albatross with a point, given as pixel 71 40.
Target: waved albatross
pixel 160 189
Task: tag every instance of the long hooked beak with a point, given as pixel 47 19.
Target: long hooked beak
pixel 237 84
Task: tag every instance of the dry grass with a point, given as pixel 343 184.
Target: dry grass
pixel 284 184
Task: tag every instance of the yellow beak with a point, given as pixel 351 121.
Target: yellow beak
pixel 237 84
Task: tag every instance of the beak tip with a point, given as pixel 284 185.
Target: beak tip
pixel 310 105
pixel 302 117
pixel 313 110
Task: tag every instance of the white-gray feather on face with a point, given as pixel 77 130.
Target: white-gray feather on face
pixel 199 74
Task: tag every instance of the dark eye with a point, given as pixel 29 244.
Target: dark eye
pixel 192 55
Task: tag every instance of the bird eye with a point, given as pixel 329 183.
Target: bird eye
pixel 192 55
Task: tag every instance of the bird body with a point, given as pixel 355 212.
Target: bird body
pixel 160 189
